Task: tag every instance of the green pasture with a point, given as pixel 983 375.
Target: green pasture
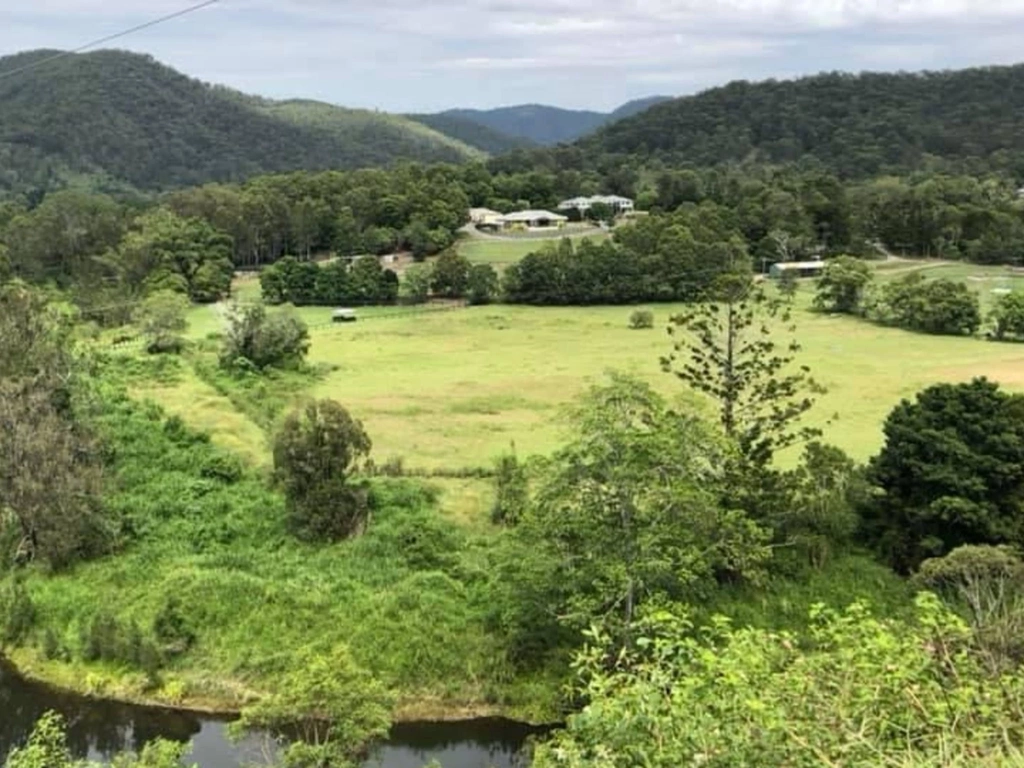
pixel 504 252
pixel 451 389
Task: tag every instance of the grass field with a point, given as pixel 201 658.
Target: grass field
pixel 504 252
pixel 452 389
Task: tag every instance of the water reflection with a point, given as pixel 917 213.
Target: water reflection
pixel 98 730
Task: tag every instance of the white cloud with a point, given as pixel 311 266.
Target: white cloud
pixel 401 54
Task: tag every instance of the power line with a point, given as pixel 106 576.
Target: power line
pixel 108 38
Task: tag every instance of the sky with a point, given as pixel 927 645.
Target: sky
pixel 419 56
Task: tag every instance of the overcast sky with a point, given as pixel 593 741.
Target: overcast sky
pixel 414 55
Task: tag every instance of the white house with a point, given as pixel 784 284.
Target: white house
pixel 484 217
pixel 532 220
pixel 617 203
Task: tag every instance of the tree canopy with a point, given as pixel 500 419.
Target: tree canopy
pixel 951 473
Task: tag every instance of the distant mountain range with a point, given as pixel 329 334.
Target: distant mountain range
pixel 506 128
pixel 121 121
pixel 130 120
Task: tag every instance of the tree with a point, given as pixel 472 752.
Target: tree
pixel 600 212
pixel 939 306
pixel 371 283
pixel 161 317
pixel 451 275
pixel 482 284
pixel 49 480
pixel 416 280
pixel 627 512
pixel 1008 316
pixel 265 340
pixel 47 747
pixel 163 251
pixel 842 284
pixel 328 709
pixel 789 284
pixel 951 473
pixel 49 474
pixel 726 349
pixel 315 452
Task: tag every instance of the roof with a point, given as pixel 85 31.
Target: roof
pixel 576 202
pixel 799 265
pixel 483 212
pixel 533 216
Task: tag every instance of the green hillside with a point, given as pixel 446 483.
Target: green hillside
pixel 528 124
pixel 858 125
pixel 473 133
pixel 112 119
pixel 396 135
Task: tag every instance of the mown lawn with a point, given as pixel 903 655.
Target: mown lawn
pixel 505 252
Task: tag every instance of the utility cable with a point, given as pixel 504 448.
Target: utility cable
pixel 109 38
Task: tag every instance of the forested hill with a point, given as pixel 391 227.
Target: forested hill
pixel 539 124
pixel 857 125
pixel 473 133
pixel 131 120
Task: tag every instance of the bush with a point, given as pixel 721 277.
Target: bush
pixel 1008 316
pixel 641 318
pixel 102 640
pixel 279 340
pixel 842 284
pixel 172 630
pixel 17 612
pixel 942 306
pixel 859 692
pixel 315 452
pixel 483 284
pixel 161 317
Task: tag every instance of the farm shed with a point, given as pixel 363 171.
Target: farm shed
pixel 802 268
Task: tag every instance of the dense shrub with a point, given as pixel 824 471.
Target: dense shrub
pixel 172 629
pixel 842 285
pixel 483 284
pixel 641 319
pixel 315 451
pixel 1008 317
pixel 265 340
pixel 17 612
pixel 859 692
pixel 940 306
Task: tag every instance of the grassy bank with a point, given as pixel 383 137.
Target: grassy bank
pixel 205 539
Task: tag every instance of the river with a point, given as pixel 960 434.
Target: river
pixel 99 729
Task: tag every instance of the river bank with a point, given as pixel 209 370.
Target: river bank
pixel 100 729
pixel 212 697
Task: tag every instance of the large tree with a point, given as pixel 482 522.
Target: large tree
pixel 728 349
pixel 951 473
pixel 842 284
pixel 49 477
pixel 627 512
pixel 165 251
